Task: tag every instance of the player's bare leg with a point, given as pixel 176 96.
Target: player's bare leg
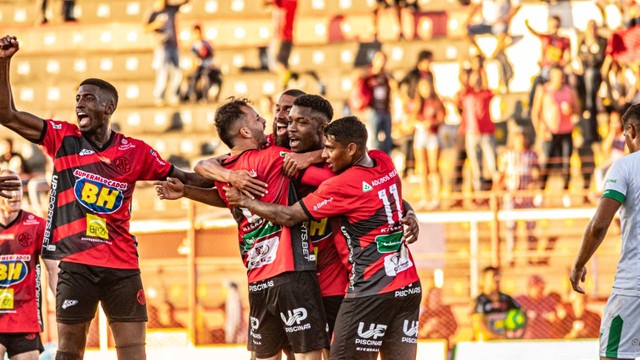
pixel 130 339
pixel 276 357
pixel 29 355
pixel 311 355
pixel 72 339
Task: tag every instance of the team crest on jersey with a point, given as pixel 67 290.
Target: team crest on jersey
pixel 98 194
pixel 123 165
pixel 6 299
pixel 25 239
pixel 12 271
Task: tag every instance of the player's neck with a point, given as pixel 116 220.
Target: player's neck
pixel 100 137
pixel 364 161
pixel 244 145
pixel 7 217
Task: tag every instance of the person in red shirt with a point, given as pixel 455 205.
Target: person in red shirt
pixel 555 51
pixel 380 311
pixel 21 234
pixel 478 130
pixel 94 174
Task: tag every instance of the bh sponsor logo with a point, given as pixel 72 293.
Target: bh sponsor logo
pixel 99 196
pixel 410 330
pixel 12 272
pixel 293 320
pixel 369 336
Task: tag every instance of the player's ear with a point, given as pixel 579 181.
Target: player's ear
pixel 245 132
pixel 352 149
pixel 110 107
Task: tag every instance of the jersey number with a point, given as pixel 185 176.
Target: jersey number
pixel 382 195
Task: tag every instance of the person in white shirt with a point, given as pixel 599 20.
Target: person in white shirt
pixel 620 326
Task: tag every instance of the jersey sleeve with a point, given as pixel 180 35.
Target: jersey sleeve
pixel 315 175
pixel 154 167
pixel 332 198
pixel 616 182
pixel 52 134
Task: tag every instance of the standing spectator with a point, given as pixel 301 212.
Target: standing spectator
pixel 427 118
pixel 555 51
pixel 478 129
pixel 554 114
pixel 496 17
pixel 232 315
pixel 381 85
pixel 540 309
pixel 67 11
pixel 436 319
pixel 397 5
pixel 518 170
pixel 591 53
pixel 284 14
pixel 206 73
pixel 408 87
pixel 490 309
pixel 162 22
pixel 11 160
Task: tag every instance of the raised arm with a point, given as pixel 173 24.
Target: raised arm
pixel 173 189
pixel 191 178
pixel 277 214
pixel 23 123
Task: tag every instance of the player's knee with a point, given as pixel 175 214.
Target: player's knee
pixel 67 355
pixel 131 345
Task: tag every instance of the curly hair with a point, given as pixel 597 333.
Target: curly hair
pixel 227 115
pixel 348 130
pixel 317 104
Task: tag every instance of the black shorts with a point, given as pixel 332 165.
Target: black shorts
pixel 19 343
pixel 385 323
pixel 286 309
pixel 82 287
pixel 331 306
pixel 280 51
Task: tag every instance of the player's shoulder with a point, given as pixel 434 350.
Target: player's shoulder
pixel 65 127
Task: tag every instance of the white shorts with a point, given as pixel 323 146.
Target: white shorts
pixel 620 328
pixel 424 139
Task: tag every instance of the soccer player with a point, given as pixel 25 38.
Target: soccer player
pixel 284 298
pixel 87 228
pixel 21 234
pixel 620 328
pixel 380 311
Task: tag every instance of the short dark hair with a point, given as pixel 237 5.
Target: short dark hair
pixel 317 104
pixel 227 115
pixel 103 85
pixel 425 55
pixel 346 130
pixel 632 115
pixel 294 92
pixel 490 268
pixel 558 19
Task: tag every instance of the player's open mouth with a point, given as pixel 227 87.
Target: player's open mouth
pixel 293 142
pixel 281 128
pixel 83 119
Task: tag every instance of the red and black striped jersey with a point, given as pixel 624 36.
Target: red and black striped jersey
pixel 20 290
pixel 90 198
pixel 369 201
pixel 268 249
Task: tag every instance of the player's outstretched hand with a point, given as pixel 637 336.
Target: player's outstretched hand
pixel 235 197
pixel 295 162
pixel 246 182
pixel 411 227
pixel 171 189
pixel 9 183
pixel 8 46
pixel 577 276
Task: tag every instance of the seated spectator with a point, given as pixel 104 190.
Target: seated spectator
pixel 490 309
pixel 540 309
pixel 583 323
pixel 436 319
pixel 205 73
